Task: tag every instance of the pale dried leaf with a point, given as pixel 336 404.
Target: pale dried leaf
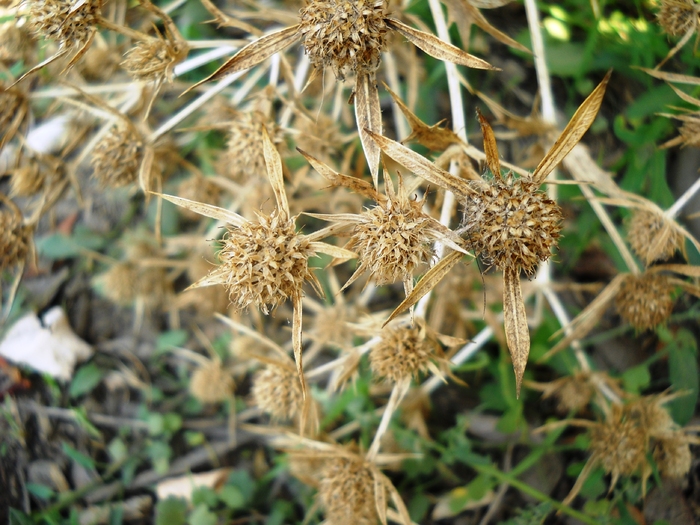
pixel 184 486
pixel 490 146
pixel 422 166
pixel 222 19
pixel 274 172
pixel 515 324
pixel 41 64
pixel 574 131
pixel 333 251
pixel 360 186
pixel 207 210
pixel 254 53
pixel 368 114
pixel 483 24
pixel 436 48
pixel 297 346
pixel 683 269
pixel 683 95
pixel 672 77
pixel 396 500
pixel 380 499
pixel 333 229
pixel 429 281
pixel 489 4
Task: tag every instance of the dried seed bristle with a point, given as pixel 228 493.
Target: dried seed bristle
pixel 392 240
pixel 677 17
pixel 619 443
pixel 264 263
pixel 212 383
pixel 14 239
pixel 346 492
pixel 117 157
pixel 344 33
pixel 672 455
pixel 277 392
pixel 652 237
pixel 154 59
pixel 512 224
pixel 68 22
pixel 403 351
pixel 690 133
pixel 645 301
pixel 198 189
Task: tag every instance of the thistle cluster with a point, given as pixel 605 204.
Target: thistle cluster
pixel 212 382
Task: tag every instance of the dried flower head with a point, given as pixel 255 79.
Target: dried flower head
pixel 13 109
pixel 645 301
pixel 243 158
pixel 71 23
pixel 16 43
pixel 99 62
pixel 677 17
pixel 117 157
pixel 652 236
pixel 276 391
pixel 27 180
pixel 672 455
pixel 404 351
pixel 212 382
pixel 15 238
pixel 347 492
pixel 153 59
pixel 343 34
pixel 573 393
pixel 690 131
pixel 119 283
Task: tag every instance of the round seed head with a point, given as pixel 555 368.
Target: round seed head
pixel 573 393
pixel 677 17
pixel 117 157
pixel 16 43
pixel 690 133
pixel 511 223
pixel 14 239
pixel 264 263
pixel 68 22
pixel 342 34
pixel 652 237
pixel 154 59
pixel 27 180
pixel 119 283
pixel 198 189
pixel 652 415
pixel 672 455
pixel 346 492
pixel 403 351
pixel 619 443
pixel 319 137
pixel 12 103
pixel 645 301
pixel 211 383
pixel 392 239
pixel 99 63
pixel 277 392
pixel 243 158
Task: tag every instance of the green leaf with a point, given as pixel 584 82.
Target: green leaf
pixel 171 511
pixel 201 515
pixel 117 450
pixel 170 339
pixel 232 497
pixel 683 373
pixel 40 491
pixel 87 378
pixel 80 458
pixel 636 379
pixel 17 517
pixel 59 246
pixel 204 495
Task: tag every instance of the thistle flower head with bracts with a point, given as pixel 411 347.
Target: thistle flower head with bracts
pixel 265 262
pixel 15 235
pixel 347 35
pixel 512 223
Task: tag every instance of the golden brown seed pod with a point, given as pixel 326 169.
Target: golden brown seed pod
pixel 677 17
pixel 277 392
pixel 512 224
pixel 70 23
pixel 672 455
pixel 402 352
pixel 343 34
pixel 154 59
pixel 243 158
pixel 198 189
pixel 645 301
pixel 117 157
pixel 619 443
pixel 264 263
pixel 392 239
pixel 27 180
pixel 119 283
pixel 652 237
pixel 14 239
pixel 212 383
pixel 346 492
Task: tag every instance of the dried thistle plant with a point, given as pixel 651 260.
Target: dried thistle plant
pixel 653 237
pixel 15 235
pixel 277 392
pixel 678 17
pixel 508 220
pixel 118 156
pixel 575 392
pixel 212 382
pixel 346 35
pixel 14 107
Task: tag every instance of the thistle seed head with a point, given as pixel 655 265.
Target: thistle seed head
pixel 154 59
pixel 16 43
pixel 392 239
pixel 677 17
pixel 652 237
pixel 116 159
pixel 645 301
pixel 346 492
pixel 619 443
pixel 27 180
pixel 512 224
pixel 212 383
pixel 344 33
pixel 573 393
pixel 244 158
pixel 198 189
pixel 12 103
pixel 120 283
pixel 14 239
pixel 690 133
pixel 68 22
pixel 264 263
pixel 99 63
pixel 277 392
pixel 403 351
pixel 672 455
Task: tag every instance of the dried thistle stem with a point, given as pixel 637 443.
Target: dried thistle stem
pixel 397 394
pixel 674 210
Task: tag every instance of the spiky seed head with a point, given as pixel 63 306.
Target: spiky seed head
pixel 12 100
pixel 652 237
pixel 212 382
pixel 264 263
pixel 344 34
pixel 651 414
pixel 14 239
pixel 619 443
pixel 690 133
pixel 392 239
pixel 277 392
pixel 117 157
pixel 672 455
pixel 16 42
pixel 512 224
pixel 645 301
pixel 119 283
pixel 243 158
pixel 677 17
pixel 198 189
pixel 403 351
pixel 320 137
pixel 573 393
pixel 346 492
pixel 154 59
pixel 27 180
pixel 68 22
pixel 99 63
